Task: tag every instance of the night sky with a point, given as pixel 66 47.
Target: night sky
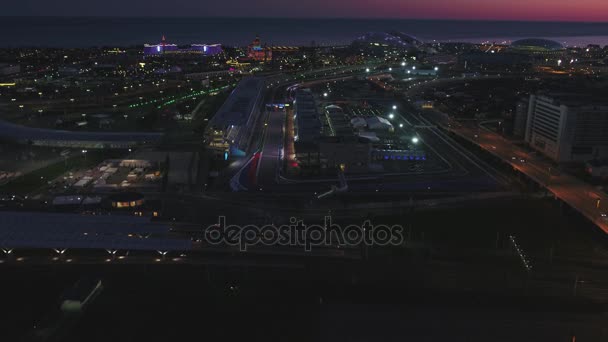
pixel 550 10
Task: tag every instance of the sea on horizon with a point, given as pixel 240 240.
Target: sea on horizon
pixel 125 31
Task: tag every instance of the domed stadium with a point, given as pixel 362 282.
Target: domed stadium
pixel 391 39
pixel 536 45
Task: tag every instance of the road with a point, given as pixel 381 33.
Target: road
pixel 268 167
pixel 583 197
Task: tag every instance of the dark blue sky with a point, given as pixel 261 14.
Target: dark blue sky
pixel 570 10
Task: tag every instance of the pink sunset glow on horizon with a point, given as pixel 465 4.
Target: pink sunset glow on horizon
pixel 522 10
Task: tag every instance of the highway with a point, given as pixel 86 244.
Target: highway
pixel 583 197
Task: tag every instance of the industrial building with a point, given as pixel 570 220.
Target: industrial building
pixel 568 127
pixel 230 130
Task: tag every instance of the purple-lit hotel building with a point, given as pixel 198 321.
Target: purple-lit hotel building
pixel 211 50
pixel 165 48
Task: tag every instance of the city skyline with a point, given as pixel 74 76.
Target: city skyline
pixel 304 170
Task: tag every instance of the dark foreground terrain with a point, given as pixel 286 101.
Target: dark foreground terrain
pixel 444 285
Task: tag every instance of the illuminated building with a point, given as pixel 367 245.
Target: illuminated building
pixel 164 48
pixel 543 51
pixel 257 52
pixel 159 48
pixel 126 200
pixel 568 127
pixel 230 131
pixel 381 41
pixel 537 46
pixel 206 49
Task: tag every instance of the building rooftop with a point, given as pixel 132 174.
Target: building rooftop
pixel 536 44
pixel 578 99
pixel 239 105
pixel 308 124
pixel 22 133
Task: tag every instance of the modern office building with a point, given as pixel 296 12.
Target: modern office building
pixel 568 127
pixel 230 130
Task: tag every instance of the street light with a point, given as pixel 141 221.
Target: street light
pixel 415 140
pixel 394 106
pixel 402 63
pixel 391 116
pixel 400 125
pixel 366 69
pixel 324 94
